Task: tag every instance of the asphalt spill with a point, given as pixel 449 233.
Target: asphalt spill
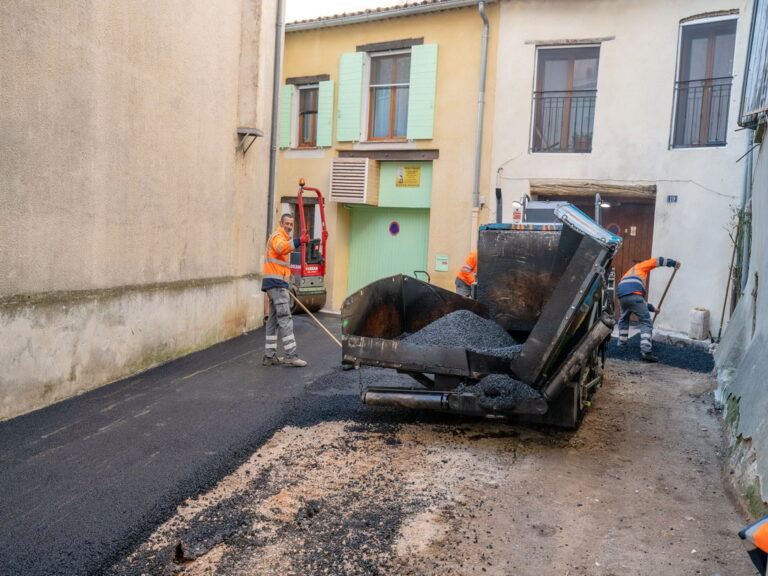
pixel 499 392
pixel 685 357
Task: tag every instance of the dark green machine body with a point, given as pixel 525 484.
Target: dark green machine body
pixel 545 284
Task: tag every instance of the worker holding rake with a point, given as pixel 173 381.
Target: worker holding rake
pixel 275 282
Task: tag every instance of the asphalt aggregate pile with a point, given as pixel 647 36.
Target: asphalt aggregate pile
pixel 466 329
pixel 685 357
pixel 499 392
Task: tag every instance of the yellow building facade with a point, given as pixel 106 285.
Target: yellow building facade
pixel 380 111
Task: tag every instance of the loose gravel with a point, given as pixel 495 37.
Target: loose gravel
pixel 466 329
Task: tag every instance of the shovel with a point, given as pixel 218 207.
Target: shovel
pixel 669 282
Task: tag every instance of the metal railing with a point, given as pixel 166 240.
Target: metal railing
pixel 701 112
pixel 563 121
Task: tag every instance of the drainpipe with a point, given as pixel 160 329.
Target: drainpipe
pixel 746 212
pixel 276 83
pixel 499 205
pixel 480 111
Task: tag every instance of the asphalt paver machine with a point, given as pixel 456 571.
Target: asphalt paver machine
pixel 308 263
pixel 546 284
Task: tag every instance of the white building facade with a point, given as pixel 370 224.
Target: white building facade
pixel 637 102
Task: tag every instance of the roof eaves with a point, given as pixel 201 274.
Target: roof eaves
pixel 371 15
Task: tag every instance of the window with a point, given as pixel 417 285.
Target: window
pixel 564 99
pixel 388 93
pixel 306 112
pixel 703 87
pixel 308 116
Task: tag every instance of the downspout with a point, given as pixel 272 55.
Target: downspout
pixel 480 113
pixel 273 137
pixel 746 213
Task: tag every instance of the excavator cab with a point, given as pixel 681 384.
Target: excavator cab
pixel 308 263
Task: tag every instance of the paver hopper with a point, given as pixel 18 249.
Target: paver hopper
pixel 545 284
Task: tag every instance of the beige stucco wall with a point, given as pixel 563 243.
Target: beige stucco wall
pixel 631 131
pixel 131 228
pixel 458 34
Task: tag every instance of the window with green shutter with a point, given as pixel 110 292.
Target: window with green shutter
pixel 400 86
pixel 306 115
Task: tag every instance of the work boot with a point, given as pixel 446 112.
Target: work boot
pixel 648 357
pixel 294 361
pixel 271 360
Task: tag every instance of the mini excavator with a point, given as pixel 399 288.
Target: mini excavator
pixel 308 263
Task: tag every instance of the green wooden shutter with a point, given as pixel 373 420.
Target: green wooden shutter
pixel 325 113
pixel 421 96
pixel 350 97
pixel 286 111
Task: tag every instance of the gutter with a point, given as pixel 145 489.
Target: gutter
pixel 273 138
pixel 382 14
pixel 480 106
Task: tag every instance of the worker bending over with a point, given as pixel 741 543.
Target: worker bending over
pixel 632 293
pixel 467 275
pixel 275 282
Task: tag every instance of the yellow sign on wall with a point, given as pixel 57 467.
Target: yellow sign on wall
pixel 408 176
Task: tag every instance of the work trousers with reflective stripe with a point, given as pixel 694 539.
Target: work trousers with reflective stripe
pixel 635 304
pixel 279 323
pixel 462 288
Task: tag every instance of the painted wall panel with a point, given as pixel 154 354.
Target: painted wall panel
pixel 405 184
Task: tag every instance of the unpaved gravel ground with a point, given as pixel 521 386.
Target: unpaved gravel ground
pixel 638 489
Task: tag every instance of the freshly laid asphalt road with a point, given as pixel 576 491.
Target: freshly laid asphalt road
pixel 85 480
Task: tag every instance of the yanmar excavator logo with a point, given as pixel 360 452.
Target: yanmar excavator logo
pixel 307 269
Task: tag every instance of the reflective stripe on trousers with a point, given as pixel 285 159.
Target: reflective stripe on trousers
pixel 279 321
pixel 636 304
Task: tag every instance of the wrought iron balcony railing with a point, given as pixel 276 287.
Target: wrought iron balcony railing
pixel 701 112
pixel 563 121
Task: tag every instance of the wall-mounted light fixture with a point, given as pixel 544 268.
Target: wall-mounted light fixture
pixel 600 203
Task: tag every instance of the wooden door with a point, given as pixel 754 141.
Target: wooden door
pixel 630 218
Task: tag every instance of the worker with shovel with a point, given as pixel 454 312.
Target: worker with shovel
pixel 632 293
pixel 276 276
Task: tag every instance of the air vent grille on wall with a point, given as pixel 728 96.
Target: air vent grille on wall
pixel 355 181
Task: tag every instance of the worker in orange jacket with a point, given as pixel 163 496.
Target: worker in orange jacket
pixel 276 276
pixel 632 293
pixel 756 537
pixel 467 275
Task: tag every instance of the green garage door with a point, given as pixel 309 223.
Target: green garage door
pixel 386 241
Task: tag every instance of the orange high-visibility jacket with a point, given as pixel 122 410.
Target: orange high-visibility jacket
pixel 634 281
pixel 277 267
pixel 468 271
